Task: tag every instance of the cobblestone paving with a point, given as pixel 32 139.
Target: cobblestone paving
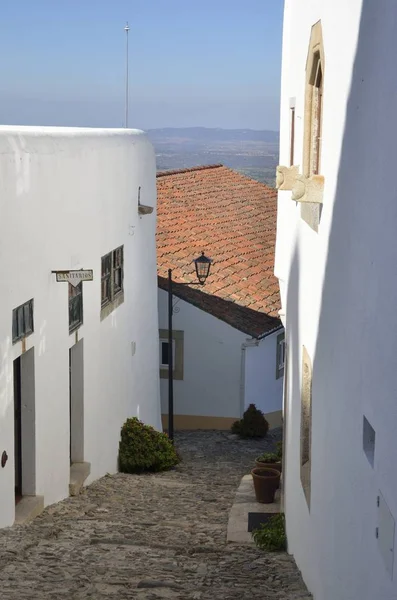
pixel 149 537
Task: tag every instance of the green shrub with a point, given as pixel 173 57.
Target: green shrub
pixel 252 425
pixel 236 427
pixel 269 457
pixel 271 535
pixel 142 448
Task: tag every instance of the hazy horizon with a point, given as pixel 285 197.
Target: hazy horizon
pixel 214 65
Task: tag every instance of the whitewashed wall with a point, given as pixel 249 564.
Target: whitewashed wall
pixel 262 388
pixel 340 294
pixel 224 370
pixel 67 197
pixel 212 363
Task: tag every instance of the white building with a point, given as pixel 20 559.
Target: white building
pixel 228 339
pixel 335 260
pixel 73 199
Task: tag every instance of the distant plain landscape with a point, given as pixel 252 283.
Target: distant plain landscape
pixel 254 153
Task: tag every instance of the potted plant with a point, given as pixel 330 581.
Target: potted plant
pixel 270 460
pixel 266 482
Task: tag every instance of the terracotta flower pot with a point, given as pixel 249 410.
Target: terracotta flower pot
pixel 266 482
pixel 261 465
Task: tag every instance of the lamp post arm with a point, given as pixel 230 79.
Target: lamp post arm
pixel 186 283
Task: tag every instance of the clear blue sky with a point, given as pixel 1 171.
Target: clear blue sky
pixel 212 63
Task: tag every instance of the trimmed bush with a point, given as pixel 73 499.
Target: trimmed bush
pixel 271 535
pixel 252 425
pixel 142 448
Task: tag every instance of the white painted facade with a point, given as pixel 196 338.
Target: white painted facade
pixel 220 365
pixel 338 294
pixel 263 384
pixel 68 197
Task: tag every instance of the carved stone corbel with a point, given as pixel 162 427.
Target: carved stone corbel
pixel 308 189
pixel 285 177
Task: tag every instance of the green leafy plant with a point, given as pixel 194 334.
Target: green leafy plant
pixel 268 457
pixel 271 535
pixel 142 448
pixel 279 451
pixel 252 425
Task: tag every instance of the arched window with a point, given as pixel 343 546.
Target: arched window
pixel 316 83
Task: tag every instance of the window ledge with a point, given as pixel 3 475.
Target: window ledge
pixel 285 177
pixel 75 328
pixel 308 189
pixel 111 306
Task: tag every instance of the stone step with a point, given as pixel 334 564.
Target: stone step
pixel 28 508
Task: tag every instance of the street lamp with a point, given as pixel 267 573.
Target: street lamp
pixel 203 265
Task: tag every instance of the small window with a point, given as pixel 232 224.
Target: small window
pixel 164 354
pixel 22 321
pixel 106 295
pixel 316 81
pixel 118 263
pixel 369 441
pixel 112 280
pixel 177 353
pixel 75 306
pixel 280 355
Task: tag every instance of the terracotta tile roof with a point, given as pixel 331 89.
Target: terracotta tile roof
pixel 233 220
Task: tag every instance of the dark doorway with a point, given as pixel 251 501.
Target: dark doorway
pixel 18 429
pixel 24 425
pixel 76 402
pixel 70 406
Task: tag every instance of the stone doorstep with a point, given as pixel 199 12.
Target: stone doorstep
pixel 28 508
pixel 244 503
pixel 78 474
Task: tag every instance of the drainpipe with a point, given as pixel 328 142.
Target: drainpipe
pixel 248 344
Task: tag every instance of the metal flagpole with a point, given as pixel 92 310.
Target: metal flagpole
pixel 126 29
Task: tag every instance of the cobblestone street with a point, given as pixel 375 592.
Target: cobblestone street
pixel 149 537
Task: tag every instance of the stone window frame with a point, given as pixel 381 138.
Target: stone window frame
pixel 178 353
pixel 280 344
pixel 315 66
pixel 116 295
pixel 312 133
pixel 292 113
pixel 306 424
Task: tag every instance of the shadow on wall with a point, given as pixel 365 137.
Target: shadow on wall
pixel 292 388
pixel 354 370
pixel 249 321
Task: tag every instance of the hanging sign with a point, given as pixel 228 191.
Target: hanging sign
pixel 75 277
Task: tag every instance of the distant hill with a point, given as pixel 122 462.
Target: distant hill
pixel 207 135
pixel 254 153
